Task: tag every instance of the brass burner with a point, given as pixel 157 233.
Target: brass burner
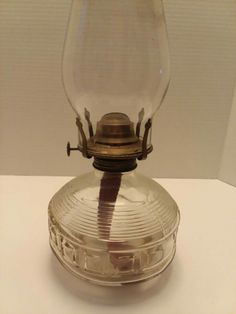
pixel 115 129
pixel 115 145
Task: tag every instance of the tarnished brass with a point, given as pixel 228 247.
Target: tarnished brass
pixel 140 119
pixel 87 117
pixel 84 140
pixel 115 129
pixel 115 145
pixel 115 165
pixel 148 126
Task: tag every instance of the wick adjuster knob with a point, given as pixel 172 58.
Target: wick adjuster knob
pixel 69 148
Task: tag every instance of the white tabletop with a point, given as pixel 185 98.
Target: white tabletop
pixel 202 278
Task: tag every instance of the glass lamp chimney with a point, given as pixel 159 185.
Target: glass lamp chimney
pixel 116 59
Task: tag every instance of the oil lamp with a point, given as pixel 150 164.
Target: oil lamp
pixel 114 226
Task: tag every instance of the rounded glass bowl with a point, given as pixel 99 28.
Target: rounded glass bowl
pixel 113 228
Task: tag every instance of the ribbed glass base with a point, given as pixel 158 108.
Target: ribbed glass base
pixel 113 228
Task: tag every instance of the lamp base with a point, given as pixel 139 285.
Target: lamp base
pixel 113 228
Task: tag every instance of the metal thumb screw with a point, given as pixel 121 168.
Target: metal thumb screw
pixel 68 149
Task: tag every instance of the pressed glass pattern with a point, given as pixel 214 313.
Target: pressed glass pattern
pixel 113 228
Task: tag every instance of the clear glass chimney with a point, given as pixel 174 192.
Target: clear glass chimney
pixel 116 58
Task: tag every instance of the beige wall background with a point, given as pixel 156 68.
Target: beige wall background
pixel 228 163
pixel 191 127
